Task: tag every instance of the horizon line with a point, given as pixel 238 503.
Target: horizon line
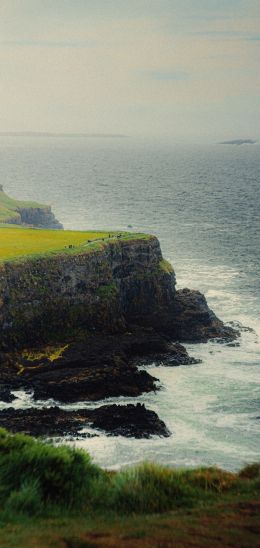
pixel 59 134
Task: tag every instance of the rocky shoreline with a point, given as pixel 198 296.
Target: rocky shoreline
pixel 101 365
pixel 81 327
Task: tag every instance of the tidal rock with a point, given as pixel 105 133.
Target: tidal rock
pixel 95 367
pixel 194 321
pixel 178 356
pixel 5 394
pixel 125 420
pixel 174 355
pixel 130 420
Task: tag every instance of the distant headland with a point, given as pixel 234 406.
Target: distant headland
pixel 17 212
pixel 239 142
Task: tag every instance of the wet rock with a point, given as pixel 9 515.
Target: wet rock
pixel 95 367
pixel 175 355
pixel 70 385
pixel 194 321
pixel 5 394
pixel 129 420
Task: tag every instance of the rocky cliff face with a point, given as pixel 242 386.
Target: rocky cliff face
pixel 40 217
pixel 51 297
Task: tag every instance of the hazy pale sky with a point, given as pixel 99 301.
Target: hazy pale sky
pixel 173 68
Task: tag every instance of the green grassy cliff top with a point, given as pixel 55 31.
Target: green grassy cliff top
pixel 18 243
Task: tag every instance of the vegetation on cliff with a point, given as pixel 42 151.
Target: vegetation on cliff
pixel 44 483
pixel 28 243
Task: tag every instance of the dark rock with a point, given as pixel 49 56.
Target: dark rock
pixel 95 367
pixel 129 420
pixel 175 355
pixel 70 385
pixel 5 394
pixel 194 321
pixel 179 356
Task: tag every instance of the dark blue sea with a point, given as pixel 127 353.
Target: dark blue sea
pixel 203 202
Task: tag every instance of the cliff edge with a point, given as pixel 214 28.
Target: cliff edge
pixel 102 285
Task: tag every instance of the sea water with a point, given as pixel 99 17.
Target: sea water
pixel 203 203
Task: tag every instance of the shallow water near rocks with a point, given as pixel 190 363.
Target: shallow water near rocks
pixel 203 203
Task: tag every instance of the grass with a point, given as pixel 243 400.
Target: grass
pixel 56 496
pixel 166 266
pixel 17 243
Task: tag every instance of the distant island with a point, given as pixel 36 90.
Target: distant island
pixel 239 142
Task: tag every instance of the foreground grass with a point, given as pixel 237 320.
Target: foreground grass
pixel 232 523
pixel 19 243
pixel 55 496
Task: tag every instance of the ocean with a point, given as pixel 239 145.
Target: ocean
pixel 203 203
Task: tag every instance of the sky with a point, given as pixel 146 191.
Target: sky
pixel 175 69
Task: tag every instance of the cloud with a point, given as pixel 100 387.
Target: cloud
pixel 53 44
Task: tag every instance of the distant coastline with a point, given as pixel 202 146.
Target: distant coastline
pixel 239 142
pixel 50 134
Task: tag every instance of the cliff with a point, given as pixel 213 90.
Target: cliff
pixel 102 286
pixel 77 320
pixel 122 281
pixel 26 213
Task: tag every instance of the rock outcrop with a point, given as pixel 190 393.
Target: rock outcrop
pixel 125 420
pixel 39 217
pixel 94 368
pixel 193 321
pixel 125 281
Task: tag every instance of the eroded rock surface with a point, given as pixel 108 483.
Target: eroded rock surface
pixel 125 420
pixel 194 321
pixel 99 366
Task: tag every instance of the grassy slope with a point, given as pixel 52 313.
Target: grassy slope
pixel 9 206
pixel 55 496
pixel 227 524
pixel 18 243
